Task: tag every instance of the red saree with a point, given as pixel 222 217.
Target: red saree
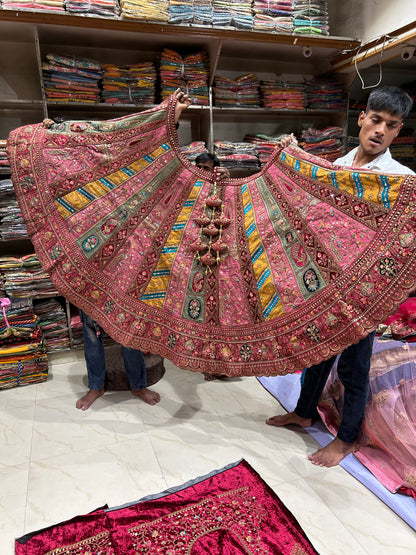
pixel 256 276
pixel 230 513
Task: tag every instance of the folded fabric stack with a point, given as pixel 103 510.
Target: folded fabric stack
pixel 190 73
pixel 23 359
pixel 24 277
pixel 181 11
pixel 50 5
pixel 106 8
pixel 133 84
pixel 326 143
pixel 53 323
pixel 4 163
pixel 237 13
pixel 283 95
pixel 325 95
pixel 265 145
pixel 202 12
pixel 76 331
pixel 273 15
pixel 12 224
pixel 149 10
pixel 242 92
pixel 403 149
pixel 193 150
pixel 310 17
pixel 71 79
pixel 236 155
pixel 352 142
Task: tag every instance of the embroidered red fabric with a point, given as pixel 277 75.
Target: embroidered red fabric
pixel 232 512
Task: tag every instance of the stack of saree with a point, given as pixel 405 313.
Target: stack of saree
pixel 263 275
pixel 148 10
pixel 132 84
pixel 229 511
pixel 23 359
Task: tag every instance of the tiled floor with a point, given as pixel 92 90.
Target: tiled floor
pixel 57 462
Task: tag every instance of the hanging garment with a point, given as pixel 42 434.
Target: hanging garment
pixel 257 276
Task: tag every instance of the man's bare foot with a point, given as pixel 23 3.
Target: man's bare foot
pixel 289 418
pixel 85 402
pixel 333 453
pixel 150 397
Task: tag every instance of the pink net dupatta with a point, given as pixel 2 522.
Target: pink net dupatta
pixel 256 276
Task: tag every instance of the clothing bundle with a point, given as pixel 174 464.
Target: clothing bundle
pixel 71 79
pixel 236 155
pixel 189 72
pixel 283 95
pixel 106 8
pixel 23 357
pixel 242 92
pixel 50 5
pixel 181 11
pixel 149 10
pixel 273 15
pixel 202 12
pixel 11 220
pixel 265 145
pixel 4 163
pixel 403 149
pixel 232 12
pixel 193 150
pixel 53 323
pixel 325 94
pixel 132 84
pixel 24 277
pixel 310 17
pixel 326 143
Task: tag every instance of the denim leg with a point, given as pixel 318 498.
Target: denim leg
pixel 93 351
pixel 314 380
pixel 353 372
pixel 135 368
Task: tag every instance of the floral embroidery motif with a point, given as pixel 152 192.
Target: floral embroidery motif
pixel 194 308
pixel 311 281
pixel 245 352
pixel 313 332
pixel 387 267
pixel 90 243
pixel 100 544
pixel 172 340
pixel 55 252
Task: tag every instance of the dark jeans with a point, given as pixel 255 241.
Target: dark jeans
pixel 95 357
pixel 353 371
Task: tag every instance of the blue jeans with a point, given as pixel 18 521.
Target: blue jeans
pixel 353 371
pixel 95 357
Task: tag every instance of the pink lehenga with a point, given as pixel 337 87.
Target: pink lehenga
pixel 387 441
pixel 258 276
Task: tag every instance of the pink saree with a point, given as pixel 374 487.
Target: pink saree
pixel 256 276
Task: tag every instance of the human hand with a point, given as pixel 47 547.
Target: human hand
pixel 183 102
pixel 47 123
pixel 222 173
pixel 286 141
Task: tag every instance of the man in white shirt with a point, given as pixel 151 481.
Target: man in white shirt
pixel 380 124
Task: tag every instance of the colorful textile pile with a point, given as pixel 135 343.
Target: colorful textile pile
pixel 326 143
pixel 12 224
pixel 265 145
pixel 4 163
pixel 403 149
pixel 311 258
pixel 106 8
pixel 76 331
pixel 50 5
pixel 181 11
pixel 236 155
pixel 242 92
pixel 283 95
pixel 273 15
pixel 202 12
pixel 325 95
pixel 71 79
pixel 132 84
pixel 237 13
pixel 231 510
pixel 24 277
pixel 310 17
pixel 190 73
pixel 193 150
pixel 23 359
pixel 149 10
pixel 53 323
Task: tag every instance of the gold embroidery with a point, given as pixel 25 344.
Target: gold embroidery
pixel 101 543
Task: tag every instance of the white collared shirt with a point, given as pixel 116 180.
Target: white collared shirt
pixel 384 163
